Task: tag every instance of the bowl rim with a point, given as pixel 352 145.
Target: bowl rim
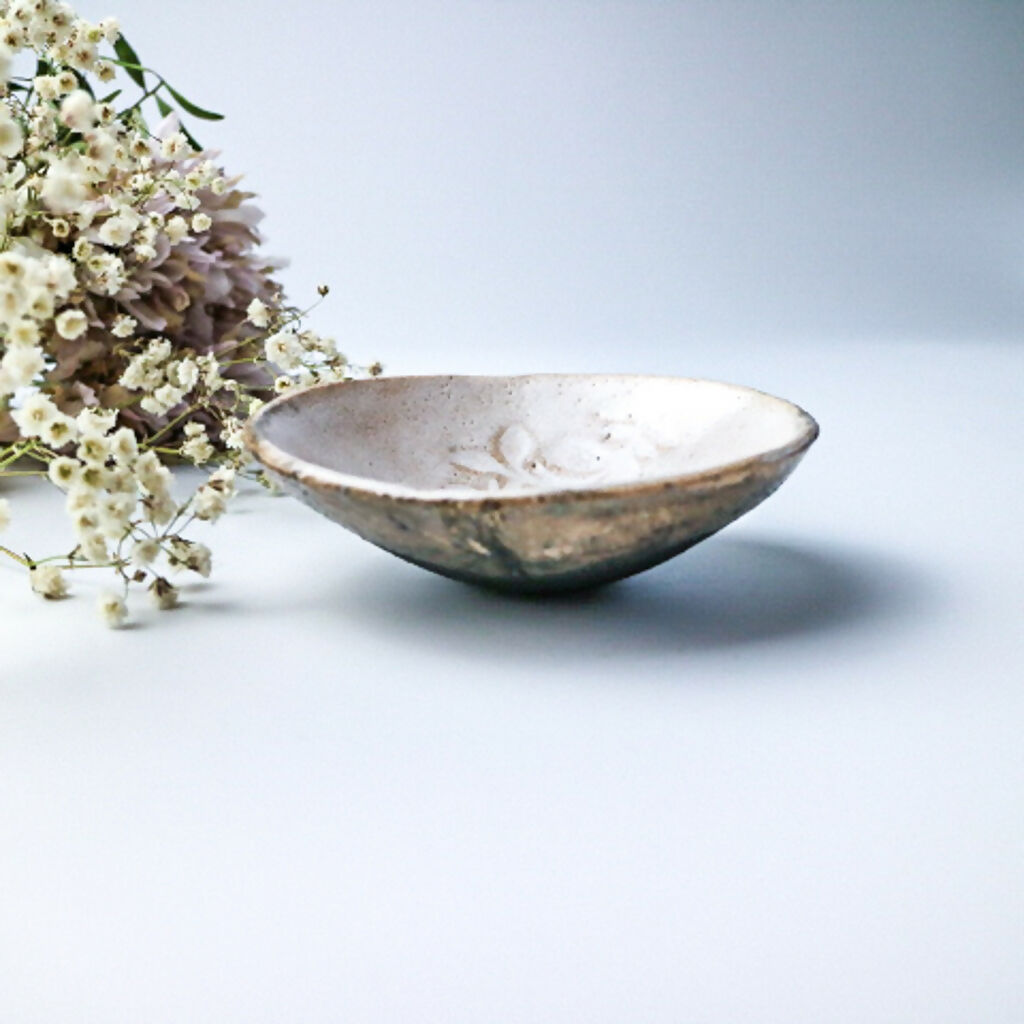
pixel 309 473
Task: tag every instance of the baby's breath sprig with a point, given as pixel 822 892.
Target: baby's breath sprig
pixel 139 323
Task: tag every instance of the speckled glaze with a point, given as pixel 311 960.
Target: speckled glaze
pixel 542 482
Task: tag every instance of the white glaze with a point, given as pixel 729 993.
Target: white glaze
pixel 524 435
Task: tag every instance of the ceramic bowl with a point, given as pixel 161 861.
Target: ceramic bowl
pixel 543 482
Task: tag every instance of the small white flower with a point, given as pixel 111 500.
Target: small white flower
pixel 149 403
pixel 223 480
pixel 94 420
pixel 257 313
pixel 168 395
pixel 123 326
pixel 164 594
pixel 47 86
pixel 116 231
pixel 40 303
pixel 176 229
pixel 102 146
pixel 48 581
pixel 56 274
pixel 146 551
pixel 232 433
pixel 76 111
pixel 115 512
pixel 121 480
pixel 197 450
pixel 210 369
pixel 12 138
pixel 64 472
pixel 94 547
pixel 199 559
pixel 162 400
pixel 85 522
pixel 23 332
pixel 12 266
pixel 135 375
pixel 20 365
pixel 174 145
pixel 94 448
pixel 64 188
pixel 209 504
pixel 61 430
pixel 71 324
pixel 160 508
pixel 140 148
pixel 83 55
pixel 82 250
pixel 152 473
pixel 112 609
pixel 201 222
pixel 80 496
pixel 284 350
pixel 124 446
pixel 94 476
pixel 13 300
pixel 183 374
pixel 34 414
pixel 111 29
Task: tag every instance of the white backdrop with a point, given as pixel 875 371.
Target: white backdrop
pixel 511 182
pixel 775 781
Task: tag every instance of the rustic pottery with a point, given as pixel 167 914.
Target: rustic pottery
pixel 542 482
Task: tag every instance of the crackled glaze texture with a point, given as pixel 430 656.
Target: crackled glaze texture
pixel 532 483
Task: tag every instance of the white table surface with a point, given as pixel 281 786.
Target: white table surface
pixel 777 779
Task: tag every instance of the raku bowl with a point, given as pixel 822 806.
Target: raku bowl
pixel 543 482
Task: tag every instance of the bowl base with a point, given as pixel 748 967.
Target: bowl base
pixel 520 579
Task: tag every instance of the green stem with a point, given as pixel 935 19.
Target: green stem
pixel 15 452
pixel 70 563
pixel 145 96
pixel 18 558
pixel 148 443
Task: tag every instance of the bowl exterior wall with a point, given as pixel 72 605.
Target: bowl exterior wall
pixel 551 541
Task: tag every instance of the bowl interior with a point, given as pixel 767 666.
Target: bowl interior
pixel 527 434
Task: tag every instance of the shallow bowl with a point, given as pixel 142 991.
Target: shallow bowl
pixel 543 482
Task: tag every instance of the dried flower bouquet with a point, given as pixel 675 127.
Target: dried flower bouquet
pixel 139 322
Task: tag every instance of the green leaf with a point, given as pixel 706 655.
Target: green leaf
pixel 163 106
pixel 191 139
pixel 83 83
pixel 112 96
pixel 188 105
pixel 130 61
